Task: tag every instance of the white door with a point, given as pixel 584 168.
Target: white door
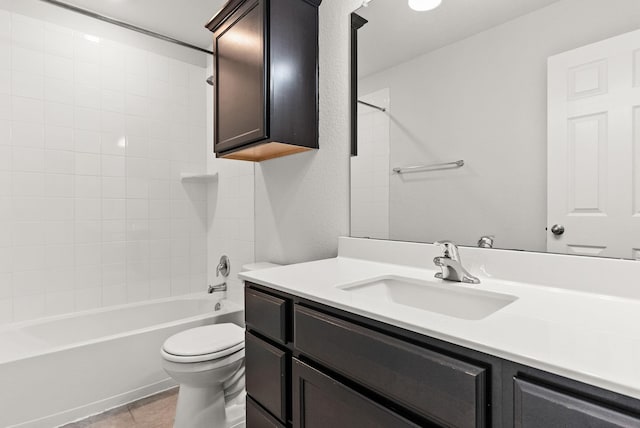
pixel 594 149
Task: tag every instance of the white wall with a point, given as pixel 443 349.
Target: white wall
pixel 302 201
pixel 370 170
pixel 93 138
pixel 483 100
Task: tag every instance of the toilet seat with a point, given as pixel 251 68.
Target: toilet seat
pixel 205 343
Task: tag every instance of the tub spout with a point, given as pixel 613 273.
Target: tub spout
pixel 214 288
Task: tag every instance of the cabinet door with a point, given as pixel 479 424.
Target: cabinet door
pixel 240 97
pixel 439 387
pixel 320 402
pixel 537 406
pixel 258 418
pixel 266 375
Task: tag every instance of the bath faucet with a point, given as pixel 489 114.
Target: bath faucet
pixel 215 288
pixel 451 264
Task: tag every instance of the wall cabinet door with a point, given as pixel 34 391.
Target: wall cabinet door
pixel 240 96
pixel 320 402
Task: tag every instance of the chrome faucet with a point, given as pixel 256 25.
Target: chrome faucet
pixel 224 267
pixel 451 264
pixel 214 288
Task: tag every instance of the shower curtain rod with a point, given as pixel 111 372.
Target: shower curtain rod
pixel 372 106
pixel 124 25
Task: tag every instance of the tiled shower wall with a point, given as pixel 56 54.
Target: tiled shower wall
pixel 230 212
pixel 94 135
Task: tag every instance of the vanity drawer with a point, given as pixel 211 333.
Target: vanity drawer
pixel 443 389
pixel 539 406
pixel 266 375
pixel 259 418
pixel 266 314
pixel 322 402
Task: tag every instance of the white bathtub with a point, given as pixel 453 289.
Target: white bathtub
pixel 60 369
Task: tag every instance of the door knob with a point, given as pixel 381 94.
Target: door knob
pixel 557 229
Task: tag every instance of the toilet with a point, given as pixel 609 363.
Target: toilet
pixel 208 363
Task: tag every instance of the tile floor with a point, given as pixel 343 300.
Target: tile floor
pixel 156 411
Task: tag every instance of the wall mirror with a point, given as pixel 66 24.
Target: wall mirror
pixel 515 120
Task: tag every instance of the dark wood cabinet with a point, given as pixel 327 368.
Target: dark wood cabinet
pixel 433 385
pixel 540 406
pixel 265 78
pixel 337 369
pixel 257 417
pixel 320 402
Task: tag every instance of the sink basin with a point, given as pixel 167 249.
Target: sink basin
pixel 447 298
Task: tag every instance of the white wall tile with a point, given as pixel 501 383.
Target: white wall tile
pixel 27 84
pixel 59 302
pixel 59 185
pixel 27 233
pixel 27 60
pixel 59 162
pixel 113 230
pixel 58 138
pixel 88 232
pixel 28 257
pixel 28 184
pixel 27 110
pixel 87 164
pixel 87 119
pixel 28 307
pixel 27 32
pixel 59 232
pixel 88 254
pixel 58 41
pixel 5 130
pixel 88 209
pixel 28 159
pixel 5 82
pixel 58 114
pixel 89 298
pixel 87 186
pixel 58 209
pixel 113 166
pixel 93 138
pixel 87 141
pixel 27 135
pixel 58 68
pixel 114 188
pixel 86 74
pixel 59 256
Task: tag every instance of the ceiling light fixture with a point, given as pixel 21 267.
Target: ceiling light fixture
pixel 424 5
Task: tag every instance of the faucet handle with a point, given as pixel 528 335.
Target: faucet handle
pixel 224 266
pixel 449 249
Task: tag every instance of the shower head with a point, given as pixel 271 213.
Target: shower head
pixel 210 80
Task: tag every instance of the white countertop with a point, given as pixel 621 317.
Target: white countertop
pixel 589 337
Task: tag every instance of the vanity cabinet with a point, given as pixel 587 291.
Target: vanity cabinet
pixel 267 358
pixel 341 370
pixel 265 78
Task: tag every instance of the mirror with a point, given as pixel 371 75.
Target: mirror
pixel 511 120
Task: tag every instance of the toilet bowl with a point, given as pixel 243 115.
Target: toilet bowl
pixel 208 363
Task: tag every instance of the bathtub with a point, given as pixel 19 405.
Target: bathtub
pixel 63 368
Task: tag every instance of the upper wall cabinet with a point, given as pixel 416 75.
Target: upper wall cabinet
pixel 265 78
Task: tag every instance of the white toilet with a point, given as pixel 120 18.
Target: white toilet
pixel 208 363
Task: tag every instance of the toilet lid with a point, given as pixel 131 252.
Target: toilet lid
pixel 210 339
